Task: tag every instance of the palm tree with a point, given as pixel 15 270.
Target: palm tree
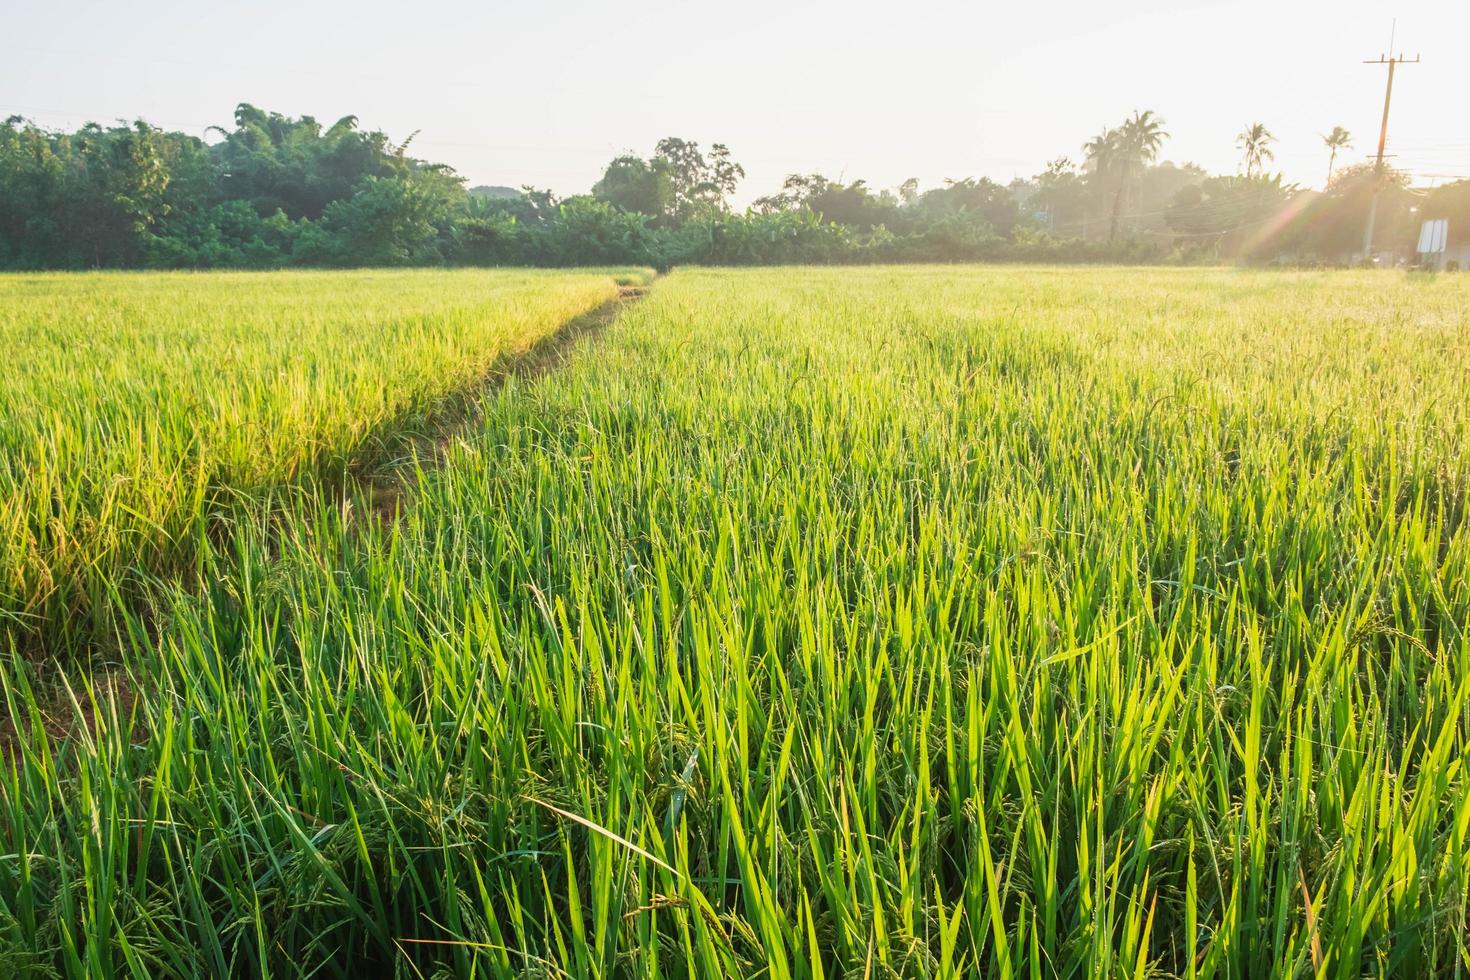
pixel 1099 150
pixel 1145 134
pixel 1338 139
pixel 1101 159
pixel 1124 151
pixel 1255 141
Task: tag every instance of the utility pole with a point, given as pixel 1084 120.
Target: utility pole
pixel 1392 62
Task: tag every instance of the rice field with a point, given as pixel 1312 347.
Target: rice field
pixel 919 622
pixel 135 410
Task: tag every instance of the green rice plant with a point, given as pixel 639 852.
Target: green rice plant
pixel 136 409
pixel 817 623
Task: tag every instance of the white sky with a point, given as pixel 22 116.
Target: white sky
pixel 545 93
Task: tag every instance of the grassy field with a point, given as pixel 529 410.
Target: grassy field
pixel 818 623
pixel 136 409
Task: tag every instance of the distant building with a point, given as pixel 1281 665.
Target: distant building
pixel 1439 251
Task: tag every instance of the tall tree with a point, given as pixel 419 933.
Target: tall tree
pixel 1331 226
pixel 1139 141
pixel 1100 151
pixel 1061 195
pixel 1230 214
pixel 1255 145
pixel 634 184
pixel 1117 155
pixel 974 201
pixel 1338 139
pixel 1100 156
pixel 291 165
pixel 851 204
pixel 701 183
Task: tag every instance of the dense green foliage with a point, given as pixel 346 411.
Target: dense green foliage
pixel 137 411
pixel 275 191
pixel 895 622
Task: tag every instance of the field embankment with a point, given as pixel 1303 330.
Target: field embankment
pixel 138 413
pixel 894 622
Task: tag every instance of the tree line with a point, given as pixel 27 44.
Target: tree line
pixel 274 191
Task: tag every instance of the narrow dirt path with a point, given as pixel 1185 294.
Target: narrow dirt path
pixel 382 474
pixel 407 454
